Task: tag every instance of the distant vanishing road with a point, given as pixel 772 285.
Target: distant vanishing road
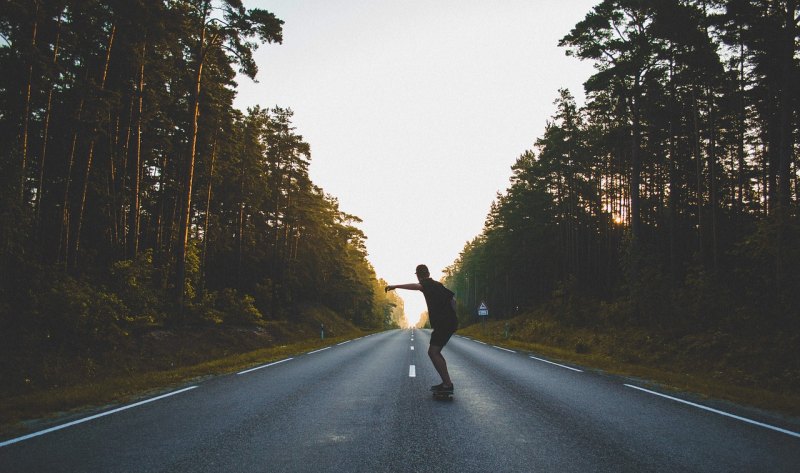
pixel 364 406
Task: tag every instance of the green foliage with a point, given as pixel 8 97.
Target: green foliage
pixel 134 197
pixel 648 287
pixel 237 308
pixel 193 270
pixel 667 205
pixel 135 283
pixel 75 316
pixel 767 273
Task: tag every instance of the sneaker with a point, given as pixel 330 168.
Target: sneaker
pixel 440 388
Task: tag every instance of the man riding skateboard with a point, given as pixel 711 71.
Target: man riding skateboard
pixel 442 315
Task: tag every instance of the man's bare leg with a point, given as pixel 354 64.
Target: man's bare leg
pixel 435 354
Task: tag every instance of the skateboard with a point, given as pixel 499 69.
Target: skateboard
pixel 445 396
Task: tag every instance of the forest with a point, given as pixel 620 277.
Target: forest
pixel 134 197
pixel 668 203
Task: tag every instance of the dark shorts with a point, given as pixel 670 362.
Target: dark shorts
pixel 441 336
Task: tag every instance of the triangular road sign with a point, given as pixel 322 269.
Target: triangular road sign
pixel 483 311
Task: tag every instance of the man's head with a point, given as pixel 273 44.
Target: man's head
pixel 422 272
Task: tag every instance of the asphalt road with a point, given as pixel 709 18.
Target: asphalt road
pixel 357 407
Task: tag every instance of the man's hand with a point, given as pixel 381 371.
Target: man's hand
pixel 388 288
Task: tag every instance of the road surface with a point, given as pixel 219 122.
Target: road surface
pixel 364 406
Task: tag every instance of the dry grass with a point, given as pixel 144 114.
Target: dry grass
pixel 17 411
pixel 604 352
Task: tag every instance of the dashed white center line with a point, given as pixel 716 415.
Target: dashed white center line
pixel 412 371
pixel 715 411
pixel 412 347
pixel 563 366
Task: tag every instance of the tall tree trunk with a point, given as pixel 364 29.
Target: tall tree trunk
pixel 785 133
pixel 672 203
pixel 634 190
pixel 636 165
pixel 91 152
pixel 276 192
pixel 713 186
pixel 186 211
pixel 111 188
pixel 785 105
pixel 46 130
pixel 765 181
pixel 26 117
pixel 159 224
pixel 740 182
pixel 124 181
pixel 133 227
pixel 240 226
pixel 699 173
pixel 64 238
pixel 206 224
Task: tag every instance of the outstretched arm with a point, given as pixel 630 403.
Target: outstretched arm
pixel 414 286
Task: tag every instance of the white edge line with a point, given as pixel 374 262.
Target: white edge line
pixel 478 341
pixel 563 366
pixel 504 349
pixel 87 419
pixel 317 351
pixel 348 341
pixel 726 414
pixel 264 366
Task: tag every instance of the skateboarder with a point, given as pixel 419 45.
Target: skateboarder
pixel 442 315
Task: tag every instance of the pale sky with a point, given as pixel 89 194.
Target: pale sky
pixel 415 110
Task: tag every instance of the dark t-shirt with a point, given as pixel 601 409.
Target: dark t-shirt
pixel 440 309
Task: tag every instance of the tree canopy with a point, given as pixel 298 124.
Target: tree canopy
pixel 134 194
pixel 671 196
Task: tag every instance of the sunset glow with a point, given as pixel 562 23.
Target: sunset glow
pixel 412 320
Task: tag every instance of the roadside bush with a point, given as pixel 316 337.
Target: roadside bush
pixel 73 315
pixel 237 308
pixel 135 282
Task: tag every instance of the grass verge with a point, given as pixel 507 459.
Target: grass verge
pixel 22 413
pixel 671 374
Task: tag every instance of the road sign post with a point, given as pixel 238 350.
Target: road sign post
pixel 483 313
